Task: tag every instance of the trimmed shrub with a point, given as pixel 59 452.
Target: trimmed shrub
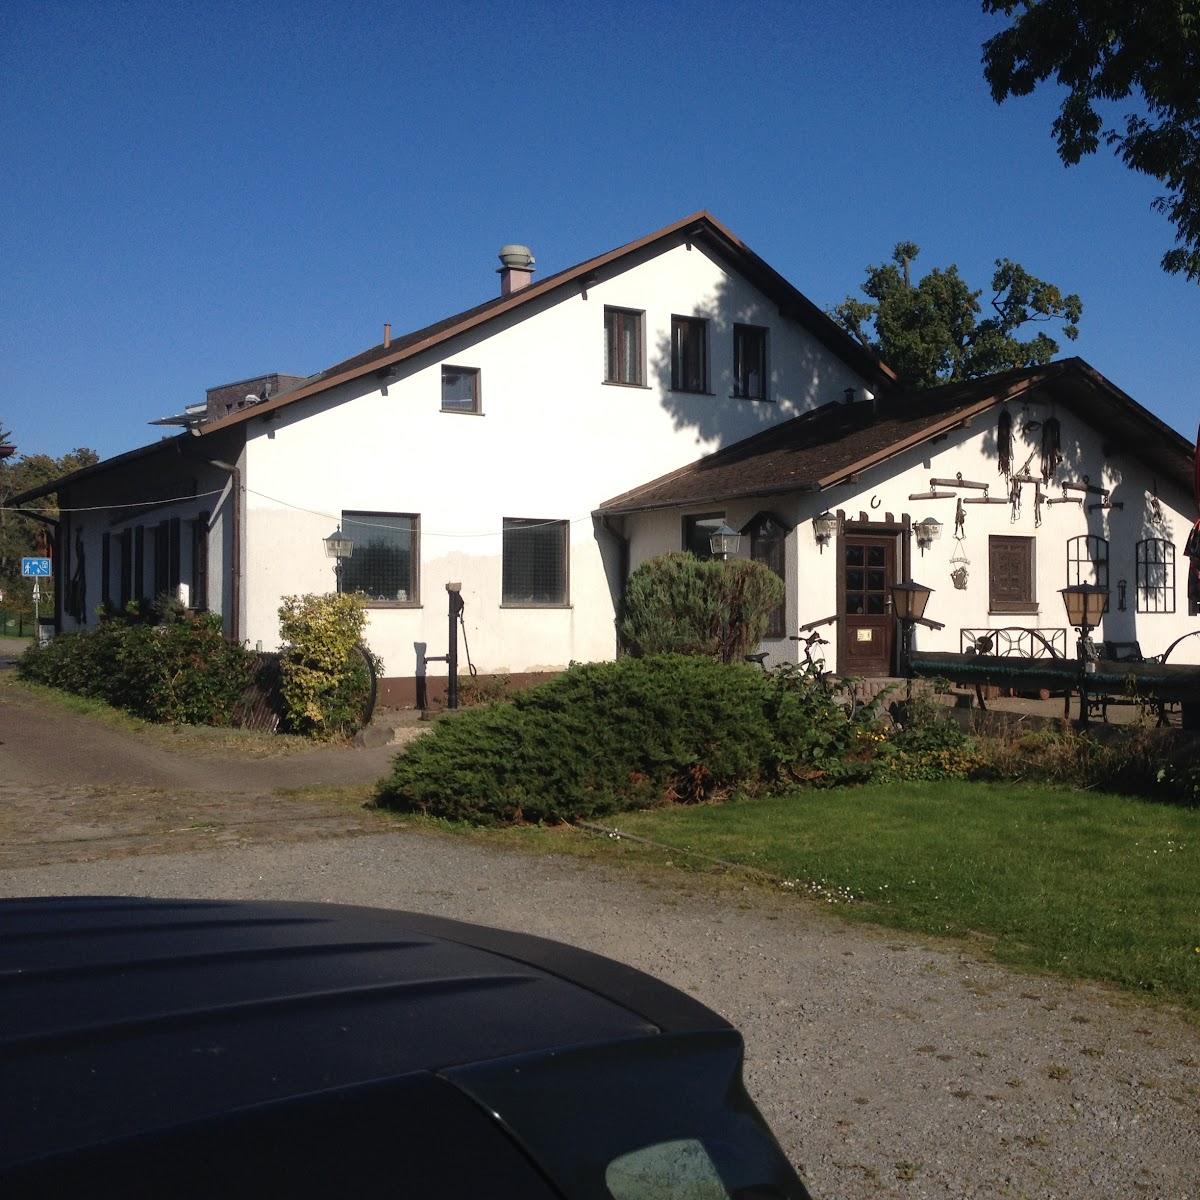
pixel 325 682
pixel 605 737
pixel 180 672
pixel 680 604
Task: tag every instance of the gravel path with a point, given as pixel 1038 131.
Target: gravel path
pixel 43 745
pixel 887 1066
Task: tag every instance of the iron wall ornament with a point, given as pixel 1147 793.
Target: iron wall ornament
pixel 1004 442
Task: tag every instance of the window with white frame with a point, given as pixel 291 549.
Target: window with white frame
pixel 1155 563
pixel 384 564
pixel 1087 560
pixel 536 562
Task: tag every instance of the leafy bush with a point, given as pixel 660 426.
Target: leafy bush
pixel 928 725
pixel 680 604
pixel 1157 763
pixel 183 671
pixel 605 737
pixel 325 682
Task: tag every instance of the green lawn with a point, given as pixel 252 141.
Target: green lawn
pixel 1081 883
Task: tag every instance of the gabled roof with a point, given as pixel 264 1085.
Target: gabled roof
pixel 699 227
pixel 832 443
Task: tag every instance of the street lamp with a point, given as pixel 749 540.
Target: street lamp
pixel 338 547
pixel 1085 604
pixel 908 604
pixel 724 541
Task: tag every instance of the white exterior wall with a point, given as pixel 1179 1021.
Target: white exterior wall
pixel 812 572
pixel 553 442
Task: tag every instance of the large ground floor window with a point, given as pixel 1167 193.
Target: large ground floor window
pixel 536 562
pixel 385 562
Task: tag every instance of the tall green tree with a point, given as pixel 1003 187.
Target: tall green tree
pixel 931 331
pixel 1110 51
pixel 18 534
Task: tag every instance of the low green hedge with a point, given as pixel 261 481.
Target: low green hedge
pixel 180 672
pixel 606 737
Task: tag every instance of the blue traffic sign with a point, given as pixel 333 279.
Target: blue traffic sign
pixel 37 568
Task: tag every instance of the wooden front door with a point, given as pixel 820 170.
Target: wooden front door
pixel 868 571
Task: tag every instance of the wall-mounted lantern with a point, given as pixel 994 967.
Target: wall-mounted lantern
pixel 724 541
pixel 824 527
pixel 928 531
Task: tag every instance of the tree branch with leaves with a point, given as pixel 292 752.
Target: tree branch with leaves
pixel 1109 51
pixel 932 331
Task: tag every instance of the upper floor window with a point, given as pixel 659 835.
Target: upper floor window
pixel 1155 576
pixel 535 562
pixel 750 362
pixel 460 389
pixel 385 562
pixel 623 346
pixel 689 354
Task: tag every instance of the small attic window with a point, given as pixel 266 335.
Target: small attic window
pixel 460 389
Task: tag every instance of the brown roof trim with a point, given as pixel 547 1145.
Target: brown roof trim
pixel 952 419
pixel 961 401
pixel 118 460
pixel 698 225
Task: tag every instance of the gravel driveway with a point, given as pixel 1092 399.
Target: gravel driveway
pixel 887 1066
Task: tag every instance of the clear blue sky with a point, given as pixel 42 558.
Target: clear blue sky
pixel 195 194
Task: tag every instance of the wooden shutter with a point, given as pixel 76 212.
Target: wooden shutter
pixel 1010 574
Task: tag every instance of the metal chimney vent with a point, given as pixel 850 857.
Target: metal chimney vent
pixel 517 256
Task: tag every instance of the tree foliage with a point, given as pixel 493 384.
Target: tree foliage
pixel 932 331
pixel 1107 51
pixel 680 604
pixel 19 535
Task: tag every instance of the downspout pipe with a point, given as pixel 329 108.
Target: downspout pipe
pixel 235 586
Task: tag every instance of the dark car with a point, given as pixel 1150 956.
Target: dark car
pixel 201 1048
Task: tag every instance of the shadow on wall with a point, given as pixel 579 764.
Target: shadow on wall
pixel 1129 516
pixel 695 370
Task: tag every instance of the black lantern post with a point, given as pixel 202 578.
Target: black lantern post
pixel 338 547
pixel 1085 604
pixel 908 604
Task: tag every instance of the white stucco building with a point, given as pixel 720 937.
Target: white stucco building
pixel 537 447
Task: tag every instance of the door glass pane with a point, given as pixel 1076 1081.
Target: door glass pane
pixel 875 580
pixel 874 604
pixel 875 556
pixel 854 556
pixel 854 580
